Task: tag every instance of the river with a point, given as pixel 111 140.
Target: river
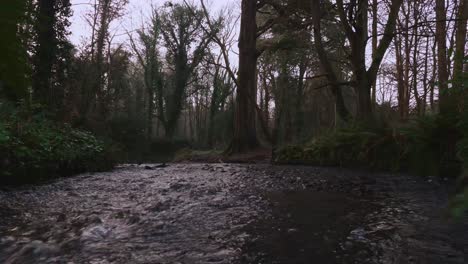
pixel 231 213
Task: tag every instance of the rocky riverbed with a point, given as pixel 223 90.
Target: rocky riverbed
pixel 229 213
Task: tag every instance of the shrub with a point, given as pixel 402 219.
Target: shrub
pixel 424 146
pixel 34 148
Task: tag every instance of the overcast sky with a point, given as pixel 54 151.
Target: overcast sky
pixel 134 15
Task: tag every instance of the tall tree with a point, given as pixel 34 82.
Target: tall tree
pixel 181 30
pixel 222 88
pixel 245 134
pixel 51 49
pixel 354 19
pixel 45 50
pixel 375 21
pixel 442 68
pixel 330 71
pixel 460 52
pixel 13 67
pixel 94 97
pixel 149 59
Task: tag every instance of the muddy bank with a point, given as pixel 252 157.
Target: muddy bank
pixel 229 213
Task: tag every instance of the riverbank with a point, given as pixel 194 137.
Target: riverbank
pixel 34 148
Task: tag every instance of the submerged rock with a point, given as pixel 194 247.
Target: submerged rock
pixel 34 252
pixel 95 233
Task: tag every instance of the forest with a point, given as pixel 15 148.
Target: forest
pixel 379 86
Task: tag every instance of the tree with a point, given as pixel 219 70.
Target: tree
pixel 442 68
pixel 149 59
pixel 245 134
pixel 94 98
pixel 51 49
pixel 13 64
pixel 222 88
pixel 375 20
pixel 181 30
pixel 354 19
pixel 459 57
pixel 331 74
pixel 246 110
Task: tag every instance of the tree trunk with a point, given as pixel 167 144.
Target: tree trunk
pixel 434 73
pixel 425 78
pixel 99 58
pixel 451 34
pixel 182 75
pixel 443 76
pixel 327 66
pixel 402 98
pixel 45 53
pixel 149 129
pixel 415 58
pixel 13 63
pixel 190 107
pixel 407 56
pixel 299 112
pixel 213 108
pixel 374 44
pixel 460 46
pixel 245 135
pixel 358 41
pixel 357 34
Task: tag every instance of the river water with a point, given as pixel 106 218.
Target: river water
pixel 230 213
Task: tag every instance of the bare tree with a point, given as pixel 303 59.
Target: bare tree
pixel 354 18
pixel 149 59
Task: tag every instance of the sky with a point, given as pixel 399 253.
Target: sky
pixel 135 14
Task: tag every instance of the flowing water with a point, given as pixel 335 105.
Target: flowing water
pixel 228 213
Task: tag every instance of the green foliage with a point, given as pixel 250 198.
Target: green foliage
pixel 431 147
pixel 459 203
pixel 424 146
pixel 34 148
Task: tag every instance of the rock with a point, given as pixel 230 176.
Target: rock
pixel 34 250
pixel 94 219
pixel 149 168
pixel 8 240
pixel 159 206
pixel 95 233
pixel 70 244
pixel 134 219
pixel 159 225
pixel 164 165
pixel 61 217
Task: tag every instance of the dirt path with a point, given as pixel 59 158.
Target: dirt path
pixel 222 213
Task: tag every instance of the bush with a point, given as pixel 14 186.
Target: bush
pixel 431 146
pixel 34 148
pixel 425 146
